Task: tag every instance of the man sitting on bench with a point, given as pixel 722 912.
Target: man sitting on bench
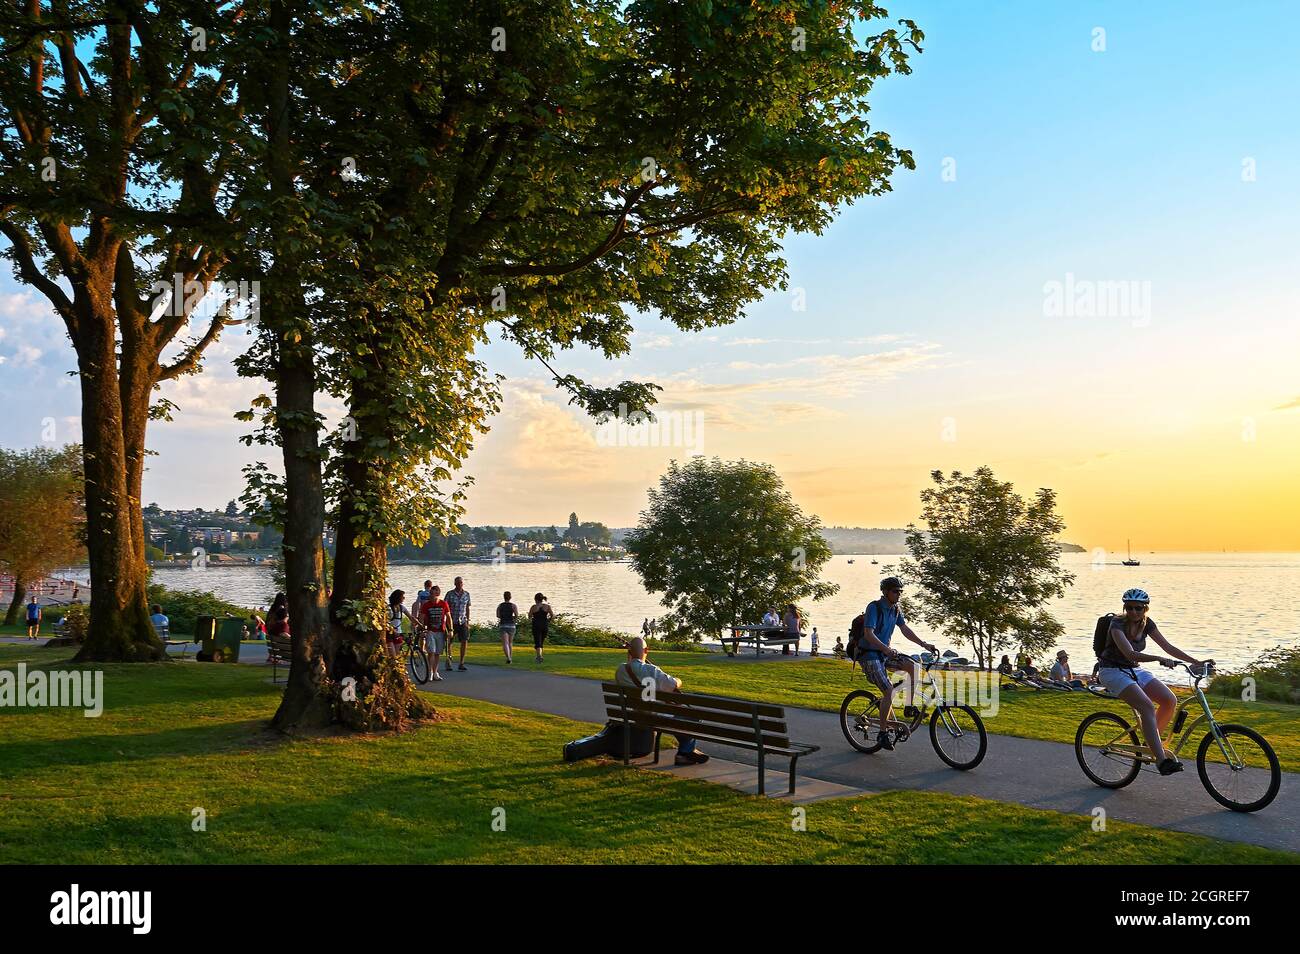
pixel 635 671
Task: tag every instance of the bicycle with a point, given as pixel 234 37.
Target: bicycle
pixel 956 731
pixel 1111 755
pixel 417 660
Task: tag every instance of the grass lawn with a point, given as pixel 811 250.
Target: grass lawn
pixel 179 736
pixel 823 683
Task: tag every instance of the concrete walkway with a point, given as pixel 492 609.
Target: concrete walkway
pixel 1025 771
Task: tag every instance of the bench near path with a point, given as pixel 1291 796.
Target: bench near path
pixel 1024 771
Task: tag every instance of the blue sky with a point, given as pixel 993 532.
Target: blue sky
pixel 927 306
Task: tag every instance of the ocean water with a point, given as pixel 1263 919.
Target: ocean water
pixel 1231 606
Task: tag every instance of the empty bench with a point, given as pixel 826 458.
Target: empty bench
pixel 757 726
pixel 279 651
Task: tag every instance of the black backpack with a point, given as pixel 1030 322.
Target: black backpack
pixel 856 632
pixel 1101 635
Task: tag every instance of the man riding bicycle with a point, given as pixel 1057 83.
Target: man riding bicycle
pixel 1120 671
pixel 882 616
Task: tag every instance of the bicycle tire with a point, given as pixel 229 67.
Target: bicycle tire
pixel 1275 770
pixel 966 766
pixel 1121 727
pixel 863 741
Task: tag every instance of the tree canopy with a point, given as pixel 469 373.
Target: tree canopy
pixel 723 541
pixel 986 562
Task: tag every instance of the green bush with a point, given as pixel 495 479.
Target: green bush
pixel 183 608
pixel 1276 673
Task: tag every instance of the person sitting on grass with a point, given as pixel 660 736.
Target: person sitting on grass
pixel 1004 667
pixel 635 673
pixel 1061 668
pixel 838 649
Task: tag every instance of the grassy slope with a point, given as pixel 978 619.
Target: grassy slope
pixel 175 736
pixel 823 683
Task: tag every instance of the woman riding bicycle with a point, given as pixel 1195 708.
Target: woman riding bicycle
pixel 396 610
pixel 1120 671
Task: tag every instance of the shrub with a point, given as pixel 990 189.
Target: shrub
pixel 1276 673
pixel 183 608
pixel 76 622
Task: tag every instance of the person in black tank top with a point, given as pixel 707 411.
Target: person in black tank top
pixel 507 619
pixel 540 615
pixel 1120 671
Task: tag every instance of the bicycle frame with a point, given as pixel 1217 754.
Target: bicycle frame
pixel 927 681
pixel 1143 752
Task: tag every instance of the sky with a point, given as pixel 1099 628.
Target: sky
pixel 1091 283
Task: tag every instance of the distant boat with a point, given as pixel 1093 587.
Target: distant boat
pixel 875 562
pixel 850 561
pixel 1130 561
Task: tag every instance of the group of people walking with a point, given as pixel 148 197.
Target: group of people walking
pixel 441 620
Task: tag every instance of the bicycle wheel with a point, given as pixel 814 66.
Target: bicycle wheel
pixel 1107 768
pixel 957 734
pixel 860 720
pixel 1238 781
pixel 418 664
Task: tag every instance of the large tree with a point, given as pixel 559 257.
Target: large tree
pixel 119 205
pixel 723 542
pixel 42 515
pixel 986 562
pixel 534 171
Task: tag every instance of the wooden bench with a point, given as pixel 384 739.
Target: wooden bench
pixel 279 651
pixel 757 726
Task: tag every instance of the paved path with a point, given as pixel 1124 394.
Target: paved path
pixel 1026 771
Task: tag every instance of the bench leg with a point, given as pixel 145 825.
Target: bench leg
pixel 658 736
pixel 762 774
pixel 794 760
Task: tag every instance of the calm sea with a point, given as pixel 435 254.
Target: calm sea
pixel 1230 606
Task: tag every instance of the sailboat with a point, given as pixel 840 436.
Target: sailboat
pixel 1130 561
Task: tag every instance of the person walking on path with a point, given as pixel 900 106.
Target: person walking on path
pixel 33 619
pixel 434 615
pixel 638 673
pixel 458 600
pixel 540 615
pixel 507 620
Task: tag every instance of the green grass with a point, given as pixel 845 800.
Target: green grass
pixel 823 683
pixel 176 736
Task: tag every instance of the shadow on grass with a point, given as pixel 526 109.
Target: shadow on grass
pixel 35 754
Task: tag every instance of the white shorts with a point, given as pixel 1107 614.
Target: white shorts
pixel 1117 680
pixel 435 641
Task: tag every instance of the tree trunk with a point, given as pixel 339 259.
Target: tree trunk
pixel 20 594
pixel 120 629
pixel 305 703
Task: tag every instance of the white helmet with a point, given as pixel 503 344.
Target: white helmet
pixel 1136 595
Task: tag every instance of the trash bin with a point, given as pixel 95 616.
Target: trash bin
pixel 220 638
pixel 230 630
pixel 205 632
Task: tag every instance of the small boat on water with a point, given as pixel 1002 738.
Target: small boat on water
pixel 850 561
pixel 1130 561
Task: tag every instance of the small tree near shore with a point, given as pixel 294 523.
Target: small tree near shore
pixel 42 515
pixel 723 541
pixel 986 564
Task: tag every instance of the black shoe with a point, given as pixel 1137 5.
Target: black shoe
pixel 1169 766
pixel 690 758
pixel 885 741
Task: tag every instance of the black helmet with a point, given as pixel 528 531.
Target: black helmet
pixel 891 583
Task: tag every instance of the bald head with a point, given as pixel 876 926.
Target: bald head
pixel 636 647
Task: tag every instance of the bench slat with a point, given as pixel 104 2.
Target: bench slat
pixel 650 720
pixel 704 701
pixel 673 708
